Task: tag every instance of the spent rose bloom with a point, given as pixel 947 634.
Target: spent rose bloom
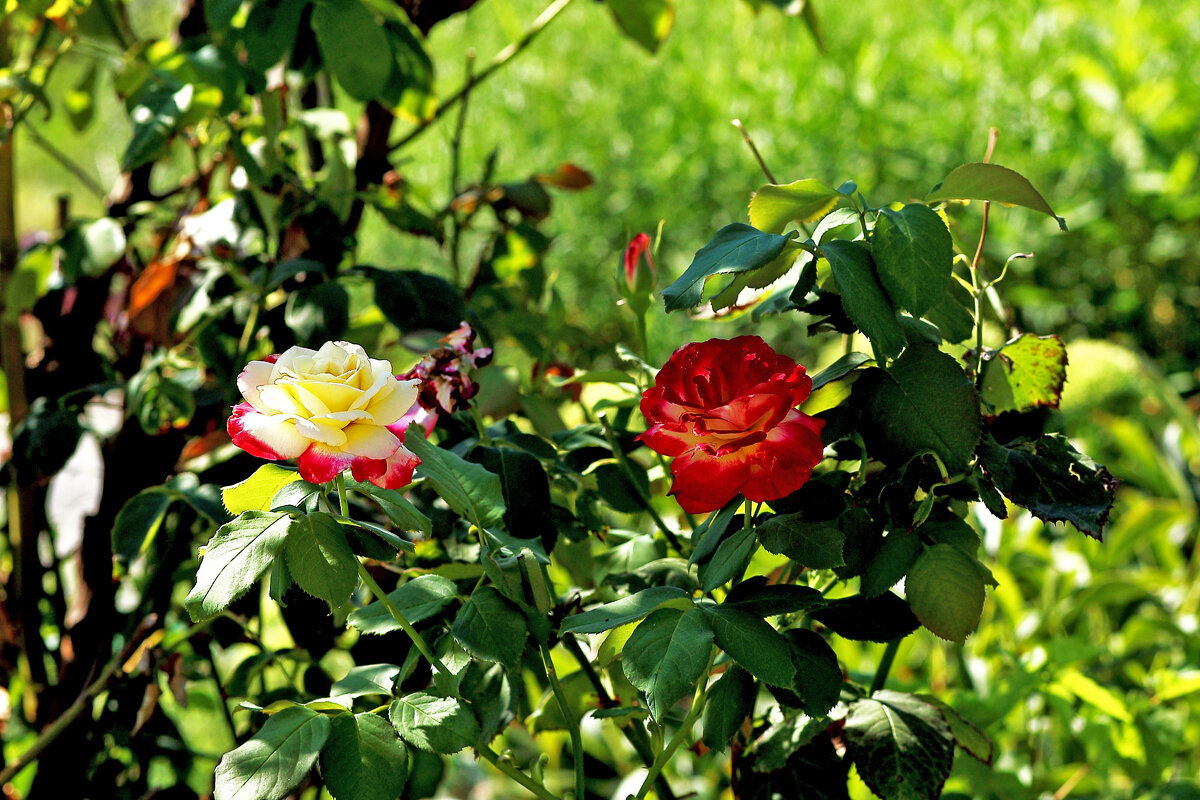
pixel 331 409
pixel 725 410
pixel 443 374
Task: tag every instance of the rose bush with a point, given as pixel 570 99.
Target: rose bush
pixel 330 409
pixel 725 409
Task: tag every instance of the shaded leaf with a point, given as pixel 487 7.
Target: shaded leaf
pixel 364 760
pixel 666 655
pixel 730 701
pixel 235 558
pixel 913 256
pixel 890 562
pixel 817 545
pixel 320 559
pixel 945 589
pixel 647 22
pixel 351 41
pixel 469 489
pixel 863 297
pixel 619 612
pixel 368 679
pixel 274 762
pixel 491 627
pixel 902 747
pixel 979 181
pixel 735 248
pixel 753 643
pixel 756 596
pixel 869 619
pixel 818 675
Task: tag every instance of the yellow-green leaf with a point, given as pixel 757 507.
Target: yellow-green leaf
pixel 255 493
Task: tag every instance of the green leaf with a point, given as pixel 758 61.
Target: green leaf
pixel 619 612
pixel 974 741
pixel 1027 372
pixel 1053 480
pixel 778 743
pixel 419 599
pixel 274 762
pixel 368 679
pixel 138 522
pixel 945 589
pixel 491 627
pixel 943 527
pixel 155 118
pixel 434 724
pixel 980 181
pixel 395 505
pixel 729 561
pixel 270 32
pixel 351 41
pixel 666 655
pixel 863 297
pixel 413 301
pixel 839 369
pixel 1092 693
pixel 817 545
pixel 235 558
pixel 364 760
pixel 256 492
pixel 903 748
pixel 774 206
pixel 914 256
pixel 469 489
pixel 753 643
pixel 730 701
pixel 818 676
pixel 320 559
pixel 923 401
pixel 735 248
pixel 647 22
pixel 868 619
pixel 709 534
pixel 951 317
pixel 756 596
pixel 890 562
pixel 409 89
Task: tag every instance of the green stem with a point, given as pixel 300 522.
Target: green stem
pixel 570 721
pixel 885 666
pixel 511 771
pixel 503 57
pixel 681 735
pixel 624 464
pixel 343 501
pixel 398 615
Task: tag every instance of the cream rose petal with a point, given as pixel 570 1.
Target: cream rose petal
pixel 392 405
pixel 324 432
pixel 280 398
pixel 252 379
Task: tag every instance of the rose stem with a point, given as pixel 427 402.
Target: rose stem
pixel 417 640
pixel 885 666
pixel 634 732
pixel 682 734
pixel 976 286
pixel 570 721
pixel 517 775
pixel 620 454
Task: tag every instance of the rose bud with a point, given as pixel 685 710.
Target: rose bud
pixel 726 411
pixel 330 409
pixel 636 277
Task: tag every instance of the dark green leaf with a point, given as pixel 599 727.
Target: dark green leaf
pixel 491 627
pixel 818 676
pixel 753 643
pixel 235 558
pixel 44 441
pixel 902 747
pixel 890 562
pixel 618 491
pixel 409 89
pixel 647 22
pixel 620 612
pixel 730 701
pixel 775 747
pixel 397 507
pixel 491 694
pixel 469 489
pixel 413 301
pixel 868 619
pixel 913 255
pixel 774 206
pixel 711 532
pixel 924 401
pixel 863 297
pixel 943 527
pixel 363 759
pixel 274 762
pixel 434 724
pixel 945 589
pixel 735 248
pixel 138 522
pixel 155 118
pixel 320 559
pixel 729 561
pixel 839 369
pixel 762 599
pixel 966 735
pixel 981 181
pixel 1053 480
pixel 526 489
pixel 351 41
pixel 666 655
pixel 419 599
pixel 952 319
pixel 1025 373
pixel 817 545
pixel 270 32
pixel 318 314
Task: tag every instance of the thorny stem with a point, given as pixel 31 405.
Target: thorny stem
pixel 503 57
pixel 505 766
pixel 624 464
pixel 570 721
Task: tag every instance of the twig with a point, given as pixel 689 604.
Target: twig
pixel 885 666
pixel 455 170
pixel 83 702
pixel 511 771
pixel 737 123
pixel 568 720
pixel 503 57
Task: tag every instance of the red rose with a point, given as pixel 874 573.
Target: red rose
pixel 726 410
